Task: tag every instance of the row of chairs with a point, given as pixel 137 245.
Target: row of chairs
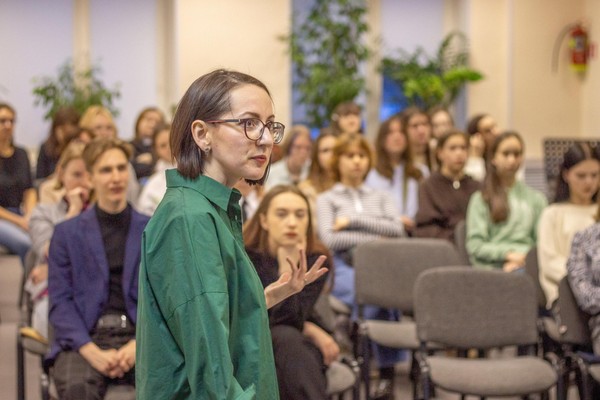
pixel 456 308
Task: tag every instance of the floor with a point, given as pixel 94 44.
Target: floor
pixel 9 315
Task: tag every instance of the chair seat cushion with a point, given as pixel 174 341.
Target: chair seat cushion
pixel 399 335
pixel 339 378
pixel 492 377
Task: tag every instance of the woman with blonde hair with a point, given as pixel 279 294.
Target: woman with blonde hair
pixel 99 120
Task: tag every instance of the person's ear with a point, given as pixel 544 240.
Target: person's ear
pixel 566 176
pixel 202 135
pixel 263 222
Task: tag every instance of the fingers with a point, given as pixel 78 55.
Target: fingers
pixel 316 271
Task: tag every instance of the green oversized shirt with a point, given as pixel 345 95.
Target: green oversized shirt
pixel 202 328
pixel 488 242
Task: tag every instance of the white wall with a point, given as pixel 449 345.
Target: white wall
pixel 35 38
pixel 123 38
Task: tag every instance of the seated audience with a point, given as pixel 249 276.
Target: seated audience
pixel 346 118
pixel 156 186
pixel 100 122
pixel 73 180
pixel 17 194
pixel 502 218
pixel 444 195
pixel 573 210
pixel 319 177
pixel 482 130
pixel 64 127
pixel 416 125
pixel 583 268
pixel 51 190
pixel 293 167
pixel 395 171
pixel 281 226
pixel 351 213
pixel 441 122
pixel 143 157
pixel 93 279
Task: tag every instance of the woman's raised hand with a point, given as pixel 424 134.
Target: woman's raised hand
pixel 294 280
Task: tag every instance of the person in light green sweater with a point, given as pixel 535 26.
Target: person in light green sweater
pixel 502 218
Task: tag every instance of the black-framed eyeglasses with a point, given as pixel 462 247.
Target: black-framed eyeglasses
pixel 254 127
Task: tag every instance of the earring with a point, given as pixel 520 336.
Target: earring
pixel 206 151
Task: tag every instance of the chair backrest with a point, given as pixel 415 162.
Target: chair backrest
pixel 573 322
pixel 386 269
pixel 474 308
pixel 460 241
pixel 533 270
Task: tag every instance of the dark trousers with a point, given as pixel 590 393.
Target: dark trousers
pixel 75 379
pixel 299 365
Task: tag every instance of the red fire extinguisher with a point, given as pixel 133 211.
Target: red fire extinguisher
pixel 578 47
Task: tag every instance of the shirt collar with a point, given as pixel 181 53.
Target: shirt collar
pixel 214 191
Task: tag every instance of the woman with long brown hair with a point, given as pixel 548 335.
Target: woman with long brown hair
pixel 502 218
pixel 395 171
pixel 302 349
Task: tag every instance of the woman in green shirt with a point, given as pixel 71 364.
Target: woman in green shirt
pixel 203 328
pixel 502 218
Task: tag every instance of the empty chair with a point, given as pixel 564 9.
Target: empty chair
pixel 386 270
pixel 465 308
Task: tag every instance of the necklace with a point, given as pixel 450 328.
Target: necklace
pixel 456 184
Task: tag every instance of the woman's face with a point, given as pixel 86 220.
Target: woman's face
pixel 419 130
pixel 286 221
pixel 395 141
pixel 583 179
pixel 453 155
pixel 232 155
pixel 354 164
pixel 440 123
pixel 349 123
pixel 326 146
pixel 103 127
pixel 300 151
pixel 7 124
pixel 162 146
pixel 66 132
pixel 147 123
pixel 508 157
pixel 74 175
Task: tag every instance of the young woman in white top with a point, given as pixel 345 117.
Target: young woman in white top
pixel 573 210
pixel 395 172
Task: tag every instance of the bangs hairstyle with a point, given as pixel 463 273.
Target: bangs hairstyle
pixel 257 239
pixel 63 116
pixel 73 151
pixel 577 153
pixel 341 110
pixel 384 163
pixel 99 146
pixel 445 137
pixel 344 143
pixel 493 193
pixel 208 98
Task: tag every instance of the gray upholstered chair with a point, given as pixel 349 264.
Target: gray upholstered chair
pixel 386 270
pixel 574 337
pixel 342 377
pixel 460 241
pixel 465 308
